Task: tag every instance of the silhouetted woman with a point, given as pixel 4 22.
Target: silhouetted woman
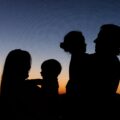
pixel 13 85
pixel 16 69
pixel 74 43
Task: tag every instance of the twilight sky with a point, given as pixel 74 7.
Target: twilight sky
pixel 39 26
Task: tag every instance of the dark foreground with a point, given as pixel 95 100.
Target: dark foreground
pixel 60 108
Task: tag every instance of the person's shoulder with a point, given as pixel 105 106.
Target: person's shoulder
pixel 90 56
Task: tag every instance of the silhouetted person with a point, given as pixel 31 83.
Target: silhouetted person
pixel 15 71
pixel 105 63
pixel 104 72
pixel 74 43
pixel 50 70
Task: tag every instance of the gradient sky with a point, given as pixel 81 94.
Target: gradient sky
pixel 39 26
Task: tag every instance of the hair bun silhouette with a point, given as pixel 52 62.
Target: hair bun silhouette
pixel 72 39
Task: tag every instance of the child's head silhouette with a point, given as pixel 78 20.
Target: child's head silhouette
pixel 51 68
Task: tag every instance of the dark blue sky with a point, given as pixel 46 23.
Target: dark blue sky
pixel 38 26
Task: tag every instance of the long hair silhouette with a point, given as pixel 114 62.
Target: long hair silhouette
pixel 16 68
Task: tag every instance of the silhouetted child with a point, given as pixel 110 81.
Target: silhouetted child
pixel 50 69
pixel 74 43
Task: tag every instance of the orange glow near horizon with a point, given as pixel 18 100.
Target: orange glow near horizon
pixel 118 90
pixel 62 79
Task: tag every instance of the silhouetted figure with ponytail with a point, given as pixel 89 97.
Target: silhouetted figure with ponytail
pixel 74 43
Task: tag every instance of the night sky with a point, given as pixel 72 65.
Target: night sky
pixel 39 26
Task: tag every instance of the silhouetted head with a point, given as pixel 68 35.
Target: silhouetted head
pixel 17 65
pixel 74 41
pixel 50 68
pixel 108 40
